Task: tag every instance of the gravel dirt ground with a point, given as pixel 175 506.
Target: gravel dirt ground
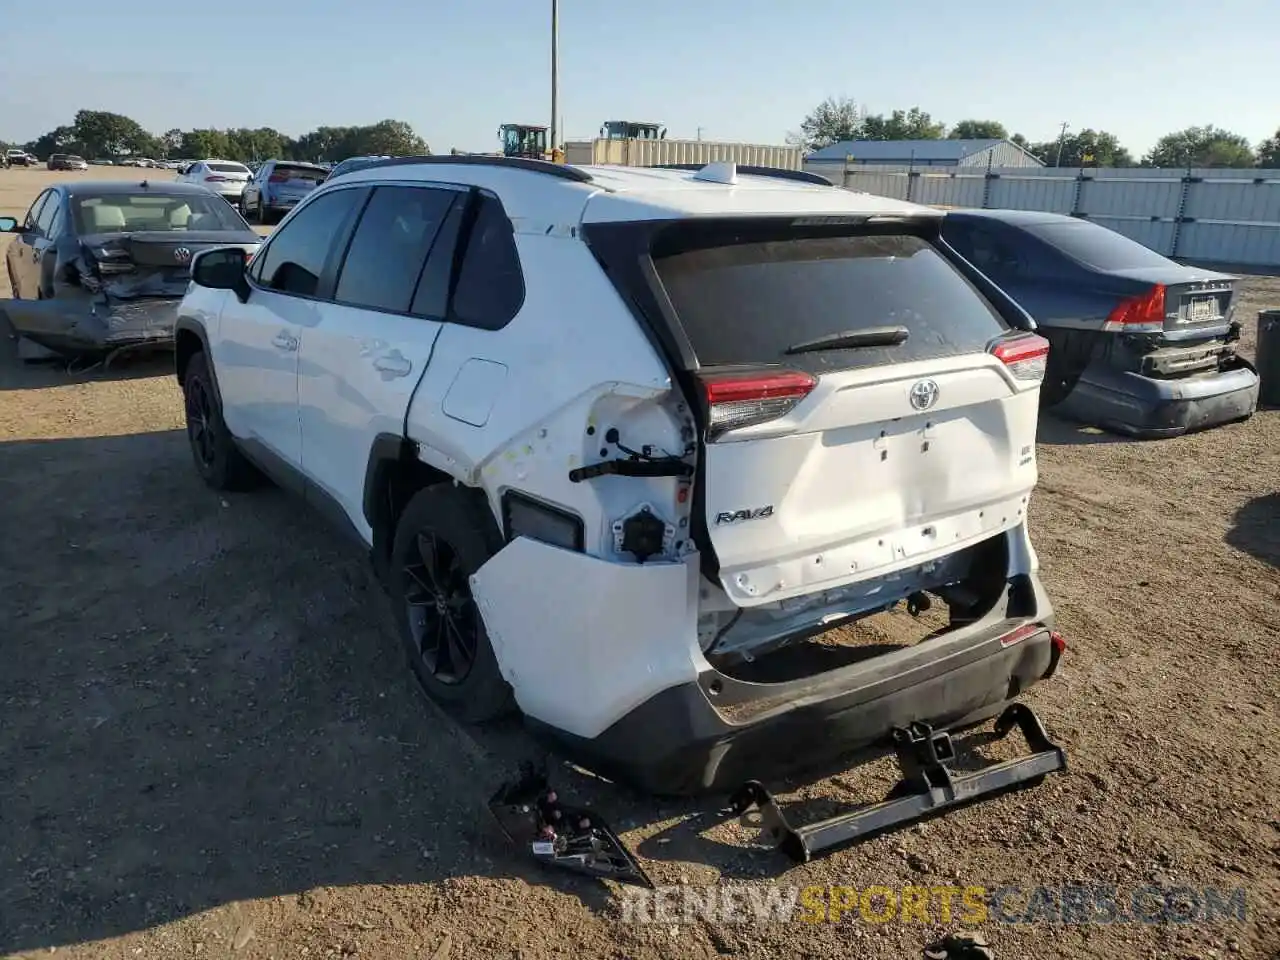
pixel 211 746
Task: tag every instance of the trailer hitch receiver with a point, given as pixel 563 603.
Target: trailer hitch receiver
pixel 531 815
pixel 928 787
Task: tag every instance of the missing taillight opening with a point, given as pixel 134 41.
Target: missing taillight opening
pixel 1141 314
pixel 1025 356
pixel 737 400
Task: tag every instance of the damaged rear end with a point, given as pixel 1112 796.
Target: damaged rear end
pixel 114 291
pixel 863 410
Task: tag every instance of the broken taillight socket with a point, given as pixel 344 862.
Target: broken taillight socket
pixel 1058 640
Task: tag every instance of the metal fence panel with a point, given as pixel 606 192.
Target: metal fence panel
pixel 1227 216
pixel 1239 200
pixel 1129 198
pixel 1055 195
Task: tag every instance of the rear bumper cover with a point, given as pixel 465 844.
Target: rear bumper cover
pixel 77 325
pixel 1149 407
pixel 710 734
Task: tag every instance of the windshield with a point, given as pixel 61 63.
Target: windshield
pixel 748 303
pixel 1096 246
pixel 125 213
pixel 227 167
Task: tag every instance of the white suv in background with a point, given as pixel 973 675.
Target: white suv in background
pixel 627 444
pixel 226 178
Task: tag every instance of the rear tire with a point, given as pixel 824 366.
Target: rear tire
pixel 218 460
pixel 263 215
pixel 444 536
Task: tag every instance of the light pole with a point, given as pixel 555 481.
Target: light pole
pixel 555 73
pixel 1062 139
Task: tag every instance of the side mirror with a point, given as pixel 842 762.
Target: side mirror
pixel 222 268
pixel 9 225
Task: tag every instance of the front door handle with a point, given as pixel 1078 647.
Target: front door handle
pixel 285 341
pixel 393 364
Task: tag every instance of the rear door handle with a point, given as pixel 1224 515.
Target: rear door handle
pixel 285 342
pixel 393 364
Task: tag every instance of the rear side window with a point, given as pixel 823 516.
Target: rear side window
pixel 294 258
pixel 390 247
pixel 747 303
pixel 490 285
pixel 1096 246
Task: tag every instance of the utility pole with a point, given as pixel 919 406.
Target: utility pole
pixel 555 73
pixel 1062 139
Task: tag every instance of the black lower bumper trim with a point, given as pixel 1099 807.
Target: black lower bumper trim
pixel 928 788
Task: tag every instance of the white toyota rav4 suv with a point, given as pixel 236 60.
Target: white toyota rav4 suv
pixel 625 443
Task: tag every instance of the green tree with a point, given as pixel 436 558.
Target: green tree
pixel 1206 146
pixel 834 120
pixel 392 138
pixel 913 124
pixel 1085 148
pixel 171 143
pixel 57 140
pixel 204 144
pixel 106 134
pixel 1269 151
pixel 978 130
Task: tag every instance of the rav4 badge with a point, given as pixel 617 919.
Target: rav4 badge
pixel 739 515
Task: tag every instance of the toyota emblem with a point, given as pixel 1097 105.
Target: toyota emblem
pixel 924 394
pixel 182 255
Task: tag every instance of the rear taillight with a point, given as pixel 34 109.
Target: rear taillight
pixel 736 400
pixel 1142 314
pixel 216 179
pixel 1024 355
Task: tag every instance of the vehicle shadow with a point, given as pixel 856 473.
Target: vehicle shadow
pixel 16 374
pixel 1255 529
pixel 205 703
pixel 1058 432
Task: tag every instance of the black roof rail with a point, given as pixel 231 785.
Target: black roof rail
pixel 777 173
pixel 480 160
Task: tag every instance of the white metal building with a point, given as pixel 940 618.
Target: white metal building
pixel 923 153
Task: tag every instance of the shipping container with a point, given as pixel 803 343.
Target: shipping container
pixel 653 153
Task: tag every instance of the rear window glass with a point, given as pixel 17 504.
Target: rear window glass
pixel 122 213
pixel 284 171
pixel 748 303
pixel 1097 246
pixel 227 167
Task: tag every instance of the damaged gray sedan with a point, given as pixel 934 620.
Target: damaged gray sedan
pixel 98 268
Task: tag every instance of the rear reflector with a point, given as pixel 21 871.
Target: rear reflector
pixel 1017 636
pixel 737 400
pixel 1025 355
pixel 1143 314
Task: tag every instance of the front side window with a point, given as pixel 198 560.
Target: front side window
pixel 50 210
pixel 33 215
pixel 390 246
pixel 294 258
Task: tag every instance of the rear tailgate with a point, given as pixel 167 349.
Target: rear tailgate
pixel 823 466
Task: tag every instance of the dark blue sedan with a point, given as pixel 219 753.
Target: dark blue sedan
pixel 1139 344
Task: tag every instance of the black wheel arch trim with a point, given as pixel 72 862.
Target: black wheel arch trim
pixel 187 325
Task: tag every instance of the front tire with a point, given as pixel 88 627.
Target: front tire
pixel 443 537
pixel 218 460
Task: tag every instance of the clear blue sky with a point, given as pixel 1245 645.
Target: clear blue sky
pixel 740 69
